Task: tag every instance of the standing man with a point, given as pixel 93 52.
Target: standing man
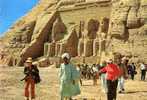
pixel 32 76
pixel 69 79
pixel 113 72
pixel 143 71
pixel 132 70
pixel 121 80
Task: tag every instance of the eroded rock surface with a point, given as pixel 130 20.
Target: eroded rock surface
pixel 85 28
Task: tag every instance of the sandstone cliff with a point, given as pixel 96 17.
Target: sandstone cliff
pixel 128 28
pixel 90 30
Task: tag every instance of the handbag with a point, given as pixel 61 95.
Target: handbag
pixel 37 78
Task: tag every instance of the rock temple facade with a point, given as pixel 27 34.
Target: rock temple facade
pixel 90 30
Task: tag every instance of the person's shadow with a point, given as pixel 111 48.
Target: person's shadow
pixel 85 99
pixel 132 92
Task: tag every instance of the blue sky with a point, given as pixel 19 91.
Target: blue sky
pixel 11 10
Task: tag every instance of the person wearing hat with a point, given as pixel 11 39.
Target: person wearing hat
pixel 113 72
pixel 69 77
pixel 31 77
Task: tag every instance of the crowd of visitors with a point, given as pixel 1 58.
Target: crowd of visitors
pixel 111 74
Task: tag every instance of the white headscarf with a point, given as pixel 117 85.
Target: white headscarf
pixel 65 55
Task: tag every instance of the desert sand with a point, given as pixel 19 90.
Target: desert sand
pixel 11 88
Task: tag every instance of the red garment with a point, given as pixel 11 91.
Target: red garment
pixel 30 82
pixel 112 70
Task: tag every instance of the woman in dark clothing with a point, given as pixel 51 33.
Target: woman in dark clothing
pixel 132 70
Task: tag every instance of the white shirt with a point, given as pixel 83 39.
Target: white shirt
pixel 142 67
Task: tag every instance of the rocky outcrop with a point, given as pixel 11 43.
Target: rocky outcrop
pixel 133 20
pixel 128 27
pixel 126 15
pixel 90 30
pixel 23 36
pixel 6 59
pixel 40 36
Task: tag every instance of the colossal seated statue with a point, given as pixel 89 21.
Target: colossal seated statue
pixel 92 28
pixel 68 44
pixel 58 31
pixel 85 45
pixel 99 44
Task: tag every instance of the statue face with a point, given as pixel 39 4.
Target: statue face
pixel 93 25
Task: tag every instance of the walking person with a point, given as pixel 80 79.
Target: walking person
pixel 32 76
pixel 69 79
pixel 113 72
pixel 121 80
pixel 103 77
pixel 132 70
pixel 143 71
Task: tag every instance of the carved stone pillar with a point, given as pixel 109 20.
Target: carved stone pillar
pixel 57 49
pixel 51 49
pixel 62 49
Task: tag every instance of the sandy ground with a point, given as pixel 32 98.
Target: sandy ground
pixel 11 88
